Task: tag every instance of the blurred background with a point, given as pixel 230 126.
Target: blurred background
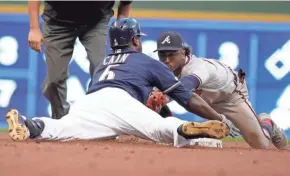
pixel 254 36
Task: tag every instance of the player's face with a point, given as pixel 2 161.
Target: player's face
pixel 174 59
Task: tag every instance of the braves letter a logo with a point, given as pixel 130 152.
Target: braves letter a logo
pixel 167 40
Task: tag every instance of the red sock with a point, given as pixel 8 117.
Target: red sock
pixel 268 121
pixel 267 126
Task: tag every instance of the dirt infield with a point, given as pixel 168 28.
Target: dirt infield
pixel 132 156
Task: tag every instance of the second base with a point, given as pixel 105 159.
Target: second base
pixel 206 142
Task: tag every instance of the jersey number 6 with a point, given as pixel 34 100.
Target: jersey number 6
pixel 108 74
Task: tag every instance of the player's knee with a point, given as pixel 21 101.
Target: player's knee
pixel 260 145
pixel 256 140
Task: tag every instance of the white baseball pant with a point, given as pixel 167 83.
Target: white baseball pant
pixel 111 112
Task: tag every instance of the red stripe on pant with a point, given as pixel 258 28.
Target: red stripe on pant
pixel 243 96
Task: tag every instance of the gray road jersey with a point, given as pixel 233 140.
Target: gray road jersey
pixel 217 79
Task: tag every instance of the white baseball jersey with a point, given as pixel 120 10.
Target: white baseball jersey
pixel 216 79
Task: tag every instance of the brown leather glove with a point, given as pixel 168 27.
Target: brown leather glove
pixel 156 101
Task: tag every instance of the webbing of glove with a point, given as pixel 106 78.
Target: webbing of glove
pixel 156 101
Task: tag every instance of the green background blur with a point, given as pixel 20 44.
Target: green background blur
pixel 281 7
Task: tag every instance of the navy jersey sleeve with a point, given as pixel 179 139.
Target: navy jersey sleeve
pixel 190 82
pixel 164 80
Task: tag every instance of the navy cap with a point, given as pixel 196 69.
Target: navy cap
pixel 169 41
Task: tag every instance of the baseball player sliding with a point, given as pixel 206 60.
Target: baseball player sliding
pixel 222 88
pixel 115 101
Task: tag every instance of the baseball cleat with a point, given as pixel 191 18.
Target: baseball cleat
pixel 16 130
pixel 278 136
pixel 209 129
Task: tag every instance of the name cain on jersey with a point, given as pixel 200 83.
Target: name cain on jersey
pixel 114 59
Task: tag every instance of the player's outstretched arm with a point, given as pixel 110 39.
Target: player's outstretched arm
pixel 199 107
pixel 165 81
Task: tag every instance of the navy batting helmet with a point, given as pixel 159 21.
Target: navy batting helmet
pixel 122 31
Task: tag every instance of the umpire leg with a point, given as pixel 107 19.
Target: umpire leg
pixel 58 47
pixel 93 38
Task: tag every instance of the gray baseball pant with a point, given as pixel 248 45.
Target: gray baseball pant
pixel 238 109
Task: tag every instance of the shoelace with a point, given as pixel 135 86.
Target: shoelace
pixel 276 137
pixel 36 124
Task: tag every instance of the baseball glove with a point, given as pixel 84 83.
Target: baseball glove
pixel 156 101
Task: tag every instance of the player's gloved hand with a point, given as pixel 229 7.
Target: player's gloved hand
pixel 156 101
pixel 234 131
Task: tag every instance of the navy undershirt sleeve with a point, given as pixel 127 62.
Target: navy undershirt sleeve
pixel 190 82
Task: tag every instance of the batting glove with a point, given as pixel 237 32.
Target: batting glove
pixel 234 131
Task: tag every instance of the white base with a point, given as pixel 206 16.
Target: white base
pixel 206 142
pixel 201 142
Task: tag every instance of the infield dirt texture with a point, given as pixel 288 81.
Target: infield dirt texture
pixel 132 156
